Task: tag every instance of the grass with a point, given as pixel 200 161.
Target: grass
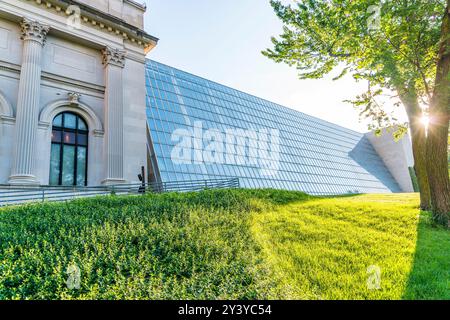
pixel 322 249
pixel 234 244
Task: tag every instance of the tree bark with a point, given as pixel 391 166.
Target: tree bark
pixel 437 140
pixel 418 139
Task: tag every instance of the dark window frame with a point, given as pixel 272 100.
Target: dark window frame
pixel 61 130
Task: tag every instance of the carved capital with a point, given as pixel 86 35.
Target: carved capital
pixel 33 30
pixel 114 56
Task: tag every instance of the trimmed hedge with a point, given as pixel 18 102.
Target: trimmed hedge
pixel 170 246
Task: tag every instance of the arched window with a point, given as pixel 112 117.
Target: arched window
pixel 68 162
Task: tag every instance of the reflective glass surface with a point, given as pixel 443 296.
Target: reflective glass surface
pixel 70 120
pixel 57 122
pixel 55 164
pixel 81 166
pixel 68 163
pixel 82 125
pixel 314 156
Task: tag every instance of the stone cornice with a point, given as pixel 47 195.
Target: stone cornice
pixel 33 30
pixel 114 56
pixel 141 6
pixel 101 20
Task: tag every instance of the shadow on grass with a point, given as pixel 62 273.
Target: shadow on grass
pixel 430 273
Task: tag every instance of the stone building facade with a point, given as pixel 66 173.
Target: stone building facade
pixel 72 93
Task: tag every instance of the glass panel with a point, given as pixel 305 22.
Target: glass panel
pixel 57 122
pixel 54 164
pixel 82 139
pixel 67 141
pixel 70 121
pixel 68 165
pixel 56 136
pixel 81 124
pixel 314 156
pixel 69 137
pixel 81 166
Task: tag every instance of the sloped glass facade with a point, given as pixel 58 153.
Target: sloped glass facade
pixel 301 152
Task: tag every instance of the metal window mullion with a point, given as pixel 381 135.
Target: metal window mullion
pixel 75 160
pixel 61 151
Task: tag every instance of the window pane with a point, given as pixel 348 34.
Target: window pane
pixel 56 136
pixel 70 121
pixel 81 124
pixel 57 122
pixel 82 139
pixel 54 164
pixel 68 165
pixel 69 137
pixel 81 166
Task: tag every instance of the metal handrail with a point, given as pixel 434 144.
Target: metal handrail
pixel 10 195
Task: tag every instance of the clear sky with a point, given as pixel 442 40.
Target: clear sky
pixel 222 40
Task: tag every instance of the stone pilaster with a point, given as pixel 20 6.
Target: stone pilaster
pixel 33 35
pixel 114 62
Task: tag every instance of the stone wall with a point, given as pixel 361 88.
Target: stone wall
pixel 68 61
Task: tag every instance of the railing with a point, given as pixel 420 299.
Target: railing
pixel 10 195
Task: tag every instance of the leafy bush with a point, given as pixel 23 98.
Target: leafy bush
pixel 178 246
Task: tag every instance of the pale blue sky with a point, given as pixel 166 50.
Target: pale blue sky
pixel 221 40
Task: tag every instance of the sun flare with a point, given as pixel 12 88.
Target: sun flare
pixel 425 121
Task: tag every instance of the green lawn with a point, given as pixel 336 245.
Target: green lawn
pixel 321 249
pixel 236 244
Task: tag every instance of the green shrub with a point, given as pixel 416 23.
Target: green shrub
pixel 178 246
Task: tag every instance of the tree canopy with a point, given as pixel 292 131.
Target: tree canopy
pixel 402 49
pixel 391 44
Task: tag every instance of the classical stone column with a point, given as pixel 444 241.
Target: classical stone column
pixel 23 166
pixel 114 62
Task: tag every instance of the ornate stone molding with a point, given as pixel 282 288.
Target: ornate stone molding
pixel 6 109
pixel 114 56
pixel 103 21
pixel 33 30
pixel 51 110
pixel 74 98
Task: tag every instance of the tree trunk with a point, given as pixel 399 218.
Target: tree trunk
pixel 418 139
pixel 437 146
pixel 437 141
